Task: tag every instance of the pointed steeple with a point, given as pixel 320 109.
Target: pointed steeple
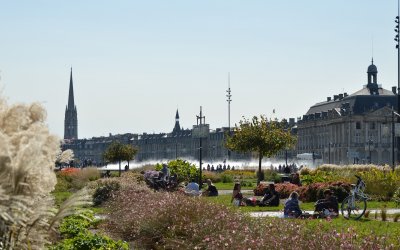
pixel 71 103
pixel 177 126
pixel 71 117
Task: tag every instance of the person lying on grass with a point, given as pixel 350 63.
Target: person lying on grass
pixel 271 197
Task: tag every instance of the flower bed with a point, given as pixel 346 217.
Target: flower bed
pixel 164 220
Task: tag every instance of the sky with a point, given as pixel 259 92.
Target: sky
pixel 135 62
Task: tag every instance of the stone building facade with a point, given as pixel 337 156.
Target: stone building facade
pixel 354 128
pixel 180 143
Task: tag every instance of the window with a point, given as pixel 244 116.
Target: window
pixel 358 125
pixel 372 125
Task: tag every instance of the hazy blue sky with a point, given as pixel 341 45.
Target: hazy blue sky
pixel 135 62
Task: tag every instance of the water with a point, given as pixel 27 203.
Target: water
pixel 266 164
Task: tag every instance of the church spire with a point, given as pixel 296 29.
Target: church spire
pixel 177 127
pixel 71 116
pixel 71 103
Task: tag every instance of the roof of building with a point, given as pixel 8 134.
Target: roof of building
pixel 358 102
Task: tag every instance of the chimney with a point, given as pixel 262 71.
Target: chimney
pixel 394 90
pixel 345 94
pixel 335 97
pixel 340 96
pixel 328 99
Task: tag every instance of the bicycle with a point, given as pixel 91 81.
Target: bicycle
pixel 354 205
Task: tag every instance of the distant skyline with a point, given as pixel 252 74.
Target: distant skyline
pixel 135 62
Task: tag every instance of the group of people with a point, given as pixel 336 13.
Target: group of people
pixel 218 168
pixel 328 206
pixel 270 198
pixel 193 189
pixel 286 169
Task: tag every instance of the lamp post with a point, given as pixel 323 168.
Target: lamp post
pixel 229 100
pixel 200 118
pixel 397 39
pixel 286 156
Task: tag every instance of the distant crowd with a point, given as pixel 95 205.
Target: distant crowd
pixel 218 167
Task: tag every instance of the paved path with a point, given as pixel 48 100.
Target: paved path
pixel 225 191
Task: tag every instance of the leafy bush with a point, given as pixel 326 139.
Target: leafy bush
pixel 72 225
pixel 270 175
pixel 72 179
pixel 244 174
pixel 381 183
pixel 182 168
pixel 246 183
pixel 226 178
pixel 259 190
pixel 396 197
pixel 76 235
pixel 213 176
pixel 88 240
pixel 285 189
pixel 104 191
pixel 315 191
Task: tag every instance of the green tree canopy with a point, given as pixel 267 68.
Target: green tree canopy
pixel 118 152
pixel 262 136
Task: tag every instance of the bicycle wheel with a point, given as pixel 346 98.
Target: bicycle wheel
pixel 353 211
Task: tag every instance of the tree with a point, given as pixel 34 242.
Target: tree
pixel 260 135
pixel 118 152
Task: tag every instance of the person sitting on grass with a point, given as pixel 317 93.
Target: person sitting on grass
pixel 271 197
pixel 237 195
pixel 192 188
pixel 292 208
pixel 329 205
pixel 211 190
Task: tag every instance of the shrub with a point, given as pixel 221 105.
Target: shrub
pixel 285 189
pixel 315 191
pixel 89 240
pixel 104 191
pixel 244 174
pixel 226 178
pixel 381 182
pixel 259 190
pixel 85 175
pixel 72 225
pixel 74 230
pixel 182 168
pixel 214 177
pixel 396 197
pixel 270 175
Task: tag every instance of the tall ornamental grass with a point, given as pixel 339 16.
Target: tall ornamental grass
pixel 164 220
pixel 27 156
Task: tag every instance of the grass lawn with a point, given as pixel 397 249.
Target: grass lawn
pixel 229 186
pixel 308 206
pixel 363 227
pixel 60 197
